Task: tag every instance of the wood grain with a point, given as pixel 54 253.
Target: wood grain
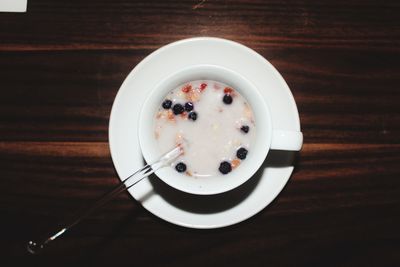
pixel 62 63
pixel 147 24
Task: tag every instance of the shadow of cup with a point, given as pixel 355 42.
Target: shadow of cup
pixel 208 204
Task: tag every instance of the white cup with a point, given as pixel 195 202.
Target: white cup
pixel 267 137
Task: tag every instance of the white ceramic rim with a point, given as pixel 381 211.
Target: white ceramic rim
pixel 127 157
pixel 221 183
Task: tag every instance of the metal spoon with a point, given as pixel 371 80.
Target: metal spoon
pixel 36 246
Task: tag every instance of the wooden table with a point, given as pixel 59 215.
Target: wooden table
pixel 62 63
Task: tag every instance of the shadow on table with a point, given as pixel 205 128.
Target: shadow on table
pixel 216 203
pixel 191 203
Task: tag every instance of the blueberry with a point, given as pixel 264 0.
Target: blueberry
pixel 227 99
pixel 241 153
pixel 245 128
pixel 192 116
pixel 225 167
pixel 167 104
pixel 189 106
pixel 180 167
pixel 178 109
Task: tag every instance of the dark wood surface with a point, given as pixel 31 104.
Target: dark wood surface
pixel 61 65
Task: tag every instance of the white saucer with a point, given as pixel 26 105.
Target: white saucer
pixel 191 210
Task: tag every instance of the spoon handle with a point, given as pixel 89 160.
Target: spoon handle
pixel 36 246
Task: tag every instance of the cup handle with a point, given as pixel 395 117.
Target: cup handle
pixel 286 140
